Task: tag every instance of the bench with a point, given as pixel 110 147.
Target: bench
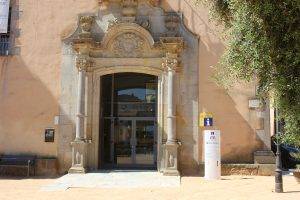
pixel 18 161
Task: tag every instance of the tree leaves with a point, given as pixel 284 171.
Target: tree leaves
pixel 263 41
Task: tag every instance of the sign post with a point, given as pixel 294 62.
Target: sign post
pixel 212 154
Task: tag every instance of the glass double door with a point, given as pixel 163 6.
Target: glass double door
pixel 134 142
pixel 128 118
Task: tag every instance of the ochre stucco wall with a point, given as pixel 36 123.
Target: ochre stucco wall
pixel 30 81
pixel 230 109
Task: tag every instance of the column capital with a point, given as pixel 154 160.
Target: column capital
pixel 170 62
pixel 83 64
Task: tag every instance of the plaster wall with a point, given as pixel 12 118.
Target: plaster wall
pixel 244 130
pixel 31 93
pixel 30 79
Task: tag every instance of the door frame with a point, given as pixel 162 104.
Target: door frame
pixel 93 111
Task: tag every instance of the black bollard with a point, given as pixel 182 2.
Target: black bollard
pixel 278 171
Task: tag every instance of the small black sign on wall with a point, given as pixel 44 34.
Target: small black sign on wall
pixel 49 135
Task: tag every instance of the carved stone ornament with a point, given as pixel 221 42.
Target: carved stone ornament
pixel 145 24
pixel 86 23
pixel 83 64
pixel 172 44
pixel 78 159
pixel 112 23
pixel 155 2
pixel 172 24
pixel 171 162
pixel 170 62
pixel 128 45
pixel 129 8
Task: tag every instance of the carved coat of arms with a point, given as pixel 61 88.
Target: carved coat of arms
pixel 128 45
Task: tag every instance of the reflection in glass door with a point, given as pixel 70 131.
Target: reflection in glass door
pixel 145 140
pixel 128 120
pixel 124 142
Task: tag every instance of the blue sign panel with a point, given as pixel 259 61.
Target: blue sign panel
pixel 208 121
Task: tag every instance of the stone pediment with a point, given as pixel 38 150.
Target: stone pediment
pixel 127 40
pixel 148 37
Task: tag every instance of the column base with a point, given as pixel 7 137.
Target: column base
pixel 77 170
pixel 171 172
pixel 171 159
pixel 79 157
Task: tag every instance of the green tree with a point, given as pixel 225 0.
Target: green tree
pixel 262 40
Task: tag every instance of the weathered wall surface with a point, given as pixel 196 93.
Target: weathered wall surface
pixel 30 81
pixel 231 112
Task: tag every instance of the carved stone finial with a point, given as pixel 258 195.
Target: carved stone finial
pixel 86 23
pixel 83 64
pixel 129 8
pixel 172 21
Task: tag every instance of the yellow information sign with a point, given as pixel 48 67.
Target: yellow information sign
pixel 205 119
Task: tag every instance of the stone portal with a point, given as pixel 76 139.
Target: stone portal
pixel 154 44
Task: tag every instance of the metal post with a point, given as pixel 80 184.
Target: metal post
pixel 278 171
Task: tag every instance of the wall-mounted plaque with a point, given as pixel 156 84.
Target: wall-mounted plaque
pixel 49 135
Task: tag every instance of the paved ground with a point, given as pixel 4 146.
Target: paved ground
pixel 230 187
pixel 114 179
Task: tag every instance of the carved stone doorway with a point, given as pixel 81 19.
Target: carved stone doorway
pixel 157 44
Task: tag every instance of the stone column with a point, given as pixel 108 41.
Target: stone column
pixel 79 145
pixel 80 105
pixel 171 146
pixel 171 114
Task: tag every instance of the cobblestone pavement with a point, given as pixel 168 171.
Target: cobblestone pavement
pixel 230 187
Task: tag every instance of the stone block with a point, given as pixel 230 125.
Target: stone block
pixel 46 167
pixel 266 169
pixel 264 157
pixel 239 169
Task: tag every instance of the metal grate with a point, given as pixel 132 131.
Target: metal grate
pixel 4 45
